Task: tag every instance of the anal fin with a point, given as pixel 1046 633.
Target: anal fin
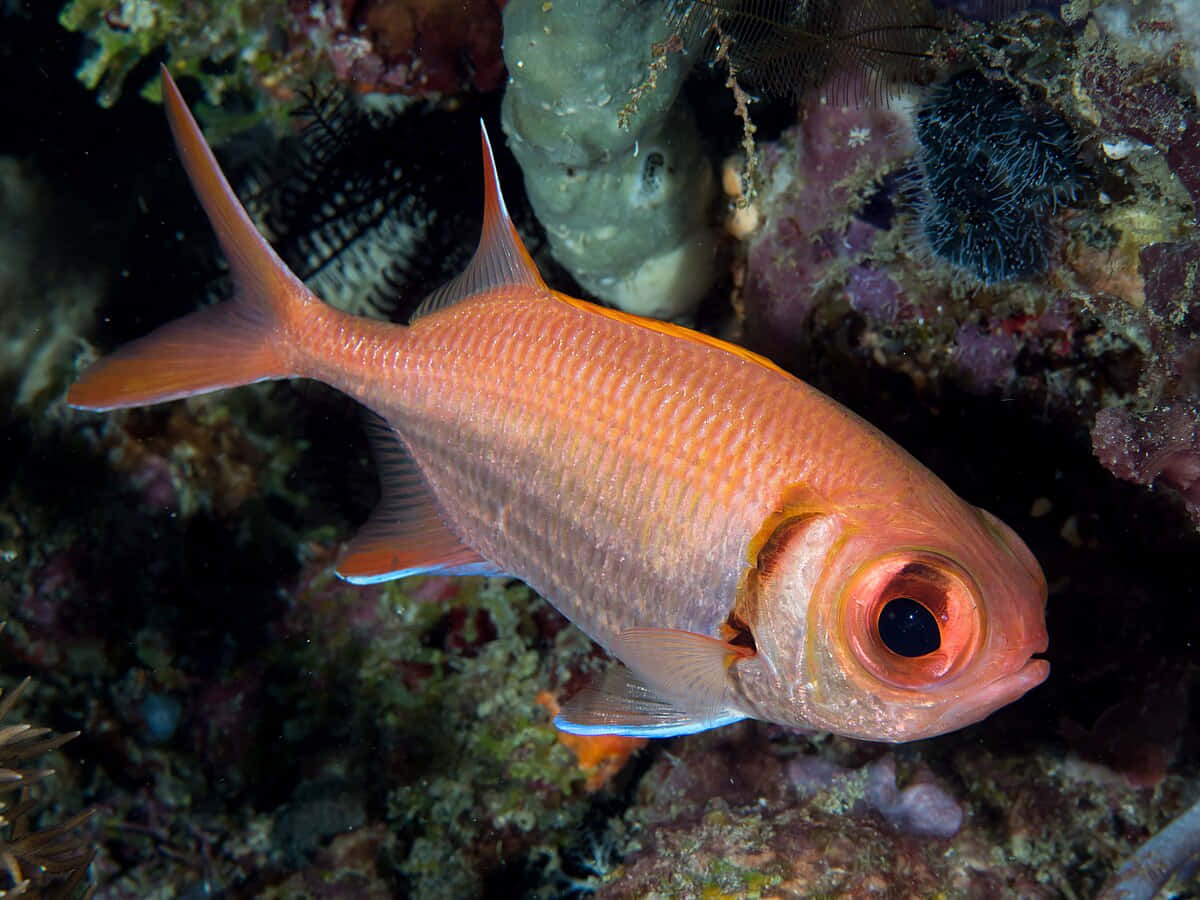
pixel 406 534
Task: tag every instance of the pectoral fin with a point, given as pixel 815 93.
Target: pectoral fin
pixel 676 683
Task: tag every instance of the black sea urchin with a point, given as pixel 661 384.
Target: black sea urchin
pixel 991 171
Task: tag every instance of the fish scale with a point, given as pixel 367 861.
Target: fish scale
pixel 672 466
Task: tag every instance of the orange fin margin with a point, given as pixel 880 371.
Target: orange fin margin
pixel 229 344
pixel 670 328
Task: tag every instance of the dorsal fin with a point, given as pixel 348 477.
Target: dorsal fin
pixel 500 260
pixel 406 534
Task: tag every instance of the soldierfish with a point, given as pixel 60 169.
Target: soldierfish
pixel 746 546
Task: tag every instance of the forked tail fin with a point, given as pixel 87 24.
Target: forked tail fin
pixel 242 340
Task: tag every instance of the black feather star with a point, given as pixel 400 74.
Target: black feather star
pixel 786 48
pixel 365 204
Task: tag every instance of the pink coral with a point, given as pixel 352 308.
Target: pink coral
pixel 1159 447
pixel 408 46
pixel 818 177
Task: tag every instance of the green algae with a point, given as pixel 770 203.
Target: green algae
pixel 844 792
pixel 475 770
pixel 233 48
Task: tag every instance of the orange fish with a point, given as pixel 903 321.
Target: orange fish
pixel 743 544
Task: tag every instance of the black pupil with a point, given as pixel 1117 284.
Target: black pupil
pixel 908 629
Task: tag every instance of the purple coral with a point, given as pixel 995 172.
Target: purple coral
pixel 872 292
pixel 816 176
pixel 985 357
pixel 924 808
pixel 1162 446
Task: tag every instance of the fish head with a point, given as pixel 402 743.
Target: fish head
pixel 891 629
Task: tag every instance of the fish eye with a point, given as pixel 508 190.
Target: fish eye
pixel 907 628
pixel 912 618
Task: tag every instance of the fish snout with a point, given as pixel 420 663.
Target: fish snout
pixel 985 700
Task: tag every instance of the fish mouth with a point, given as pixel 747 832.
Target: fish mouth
pixel 1010 687
pixel 1007 688
pixel 993 695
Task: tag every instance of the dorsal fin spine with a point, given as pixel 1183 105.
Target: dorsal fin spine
pixel 500 260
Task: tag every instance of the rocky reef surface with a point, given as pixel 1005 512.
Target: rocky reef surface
pixel 253 727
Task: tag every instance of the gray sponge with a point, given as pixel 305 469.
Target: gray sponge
pixel 626 210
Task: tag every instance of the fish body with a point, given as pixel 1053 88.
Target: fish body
pixel 738 539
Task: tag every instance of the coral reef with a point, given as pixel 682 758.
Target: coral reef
pixel 1174 33
pixel 625 206
pixel 120 38
pixel 751 812
pixel 1159 447
pixel 253 727
pixel 1101 324
pixel 1150 436
pixel 415 48
pixel 265 50
pixel 814 178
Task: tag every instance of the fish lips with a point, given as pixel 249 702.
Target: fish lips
pixel 988 698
